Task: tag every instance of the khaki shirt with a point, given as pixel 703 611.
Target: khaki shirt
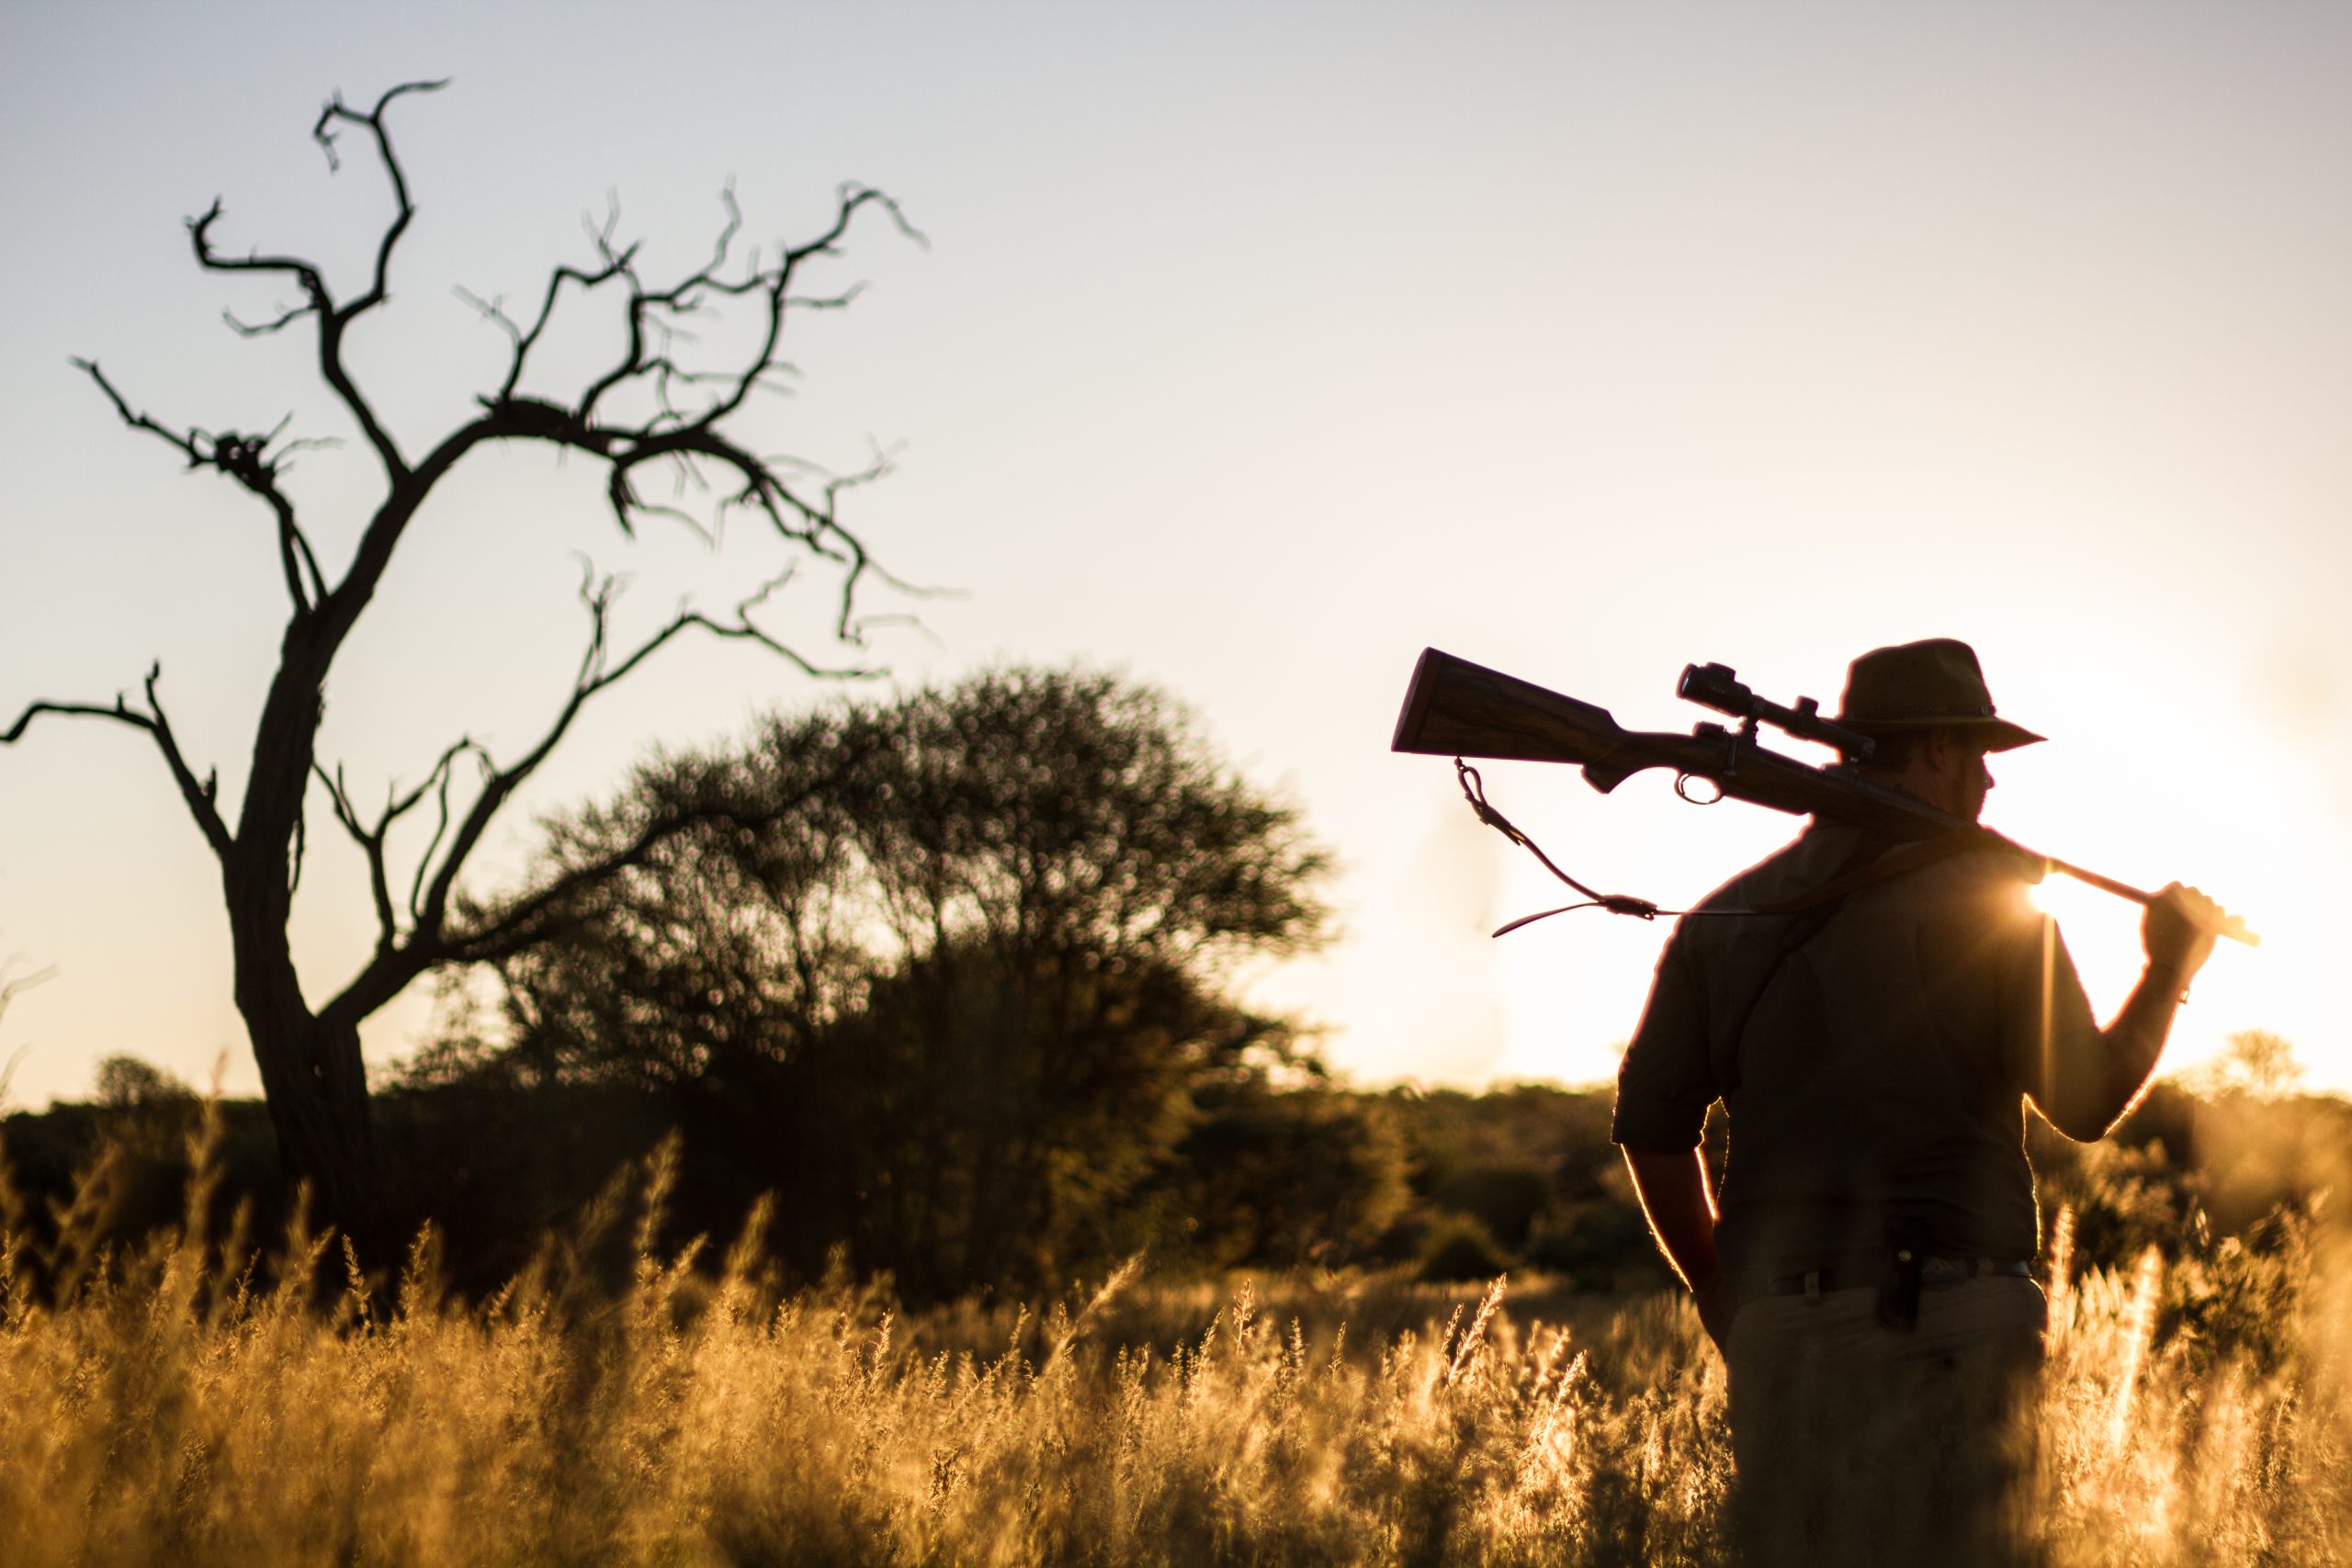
pixel 1875 1075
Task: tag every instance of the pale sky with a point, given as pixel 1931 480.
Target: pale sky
pixel 1256 348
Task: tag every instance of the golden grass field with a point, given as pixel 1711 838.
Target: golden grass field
pixel 172 1407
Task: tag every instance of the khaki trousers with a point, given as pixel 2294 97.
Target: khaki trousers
pixel 1856 1443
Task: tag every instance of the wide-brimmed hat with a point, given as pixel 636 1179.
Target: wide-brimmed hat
pixel 1926 685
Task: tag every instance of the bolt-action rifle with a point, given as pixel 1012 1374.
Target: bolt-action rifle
pixel 1458 709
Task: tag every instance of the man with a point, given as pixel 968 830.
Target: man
pixel 1868 1275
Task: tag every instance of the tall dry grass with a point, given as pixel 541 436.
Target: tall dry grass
pixel 177 1404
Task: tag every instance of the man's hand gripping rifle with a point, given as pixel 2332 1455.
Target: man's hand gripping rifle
pixel 1458 709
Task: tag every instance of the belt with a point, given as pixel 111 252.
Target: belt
pixel 1935 1274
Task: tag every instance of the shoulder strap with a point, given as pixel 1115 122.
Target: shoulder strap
pixel 1853 877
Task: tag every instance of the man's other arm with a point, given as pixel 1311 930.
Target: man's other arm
pixel 1679 1204
pixel 1664 1088
pixel 2087 1078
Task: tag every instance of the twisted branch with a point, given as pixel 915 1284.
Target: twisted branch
pixel 200 796
pixel 248 460
pixel 371 838
pixel 692 402
pixel 319 304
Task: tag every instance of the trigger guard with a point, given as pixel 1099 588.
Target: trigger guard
pixel 1682 788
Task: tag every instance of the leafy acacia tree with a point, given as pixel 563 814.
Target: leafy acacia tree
pixel 660 405
pixel 951 974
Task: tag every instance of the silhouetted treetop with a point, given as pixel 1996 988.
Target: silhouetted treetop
pixel 953 969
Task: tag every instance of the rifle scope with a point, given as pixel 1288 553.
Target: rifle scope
pixel 1718 686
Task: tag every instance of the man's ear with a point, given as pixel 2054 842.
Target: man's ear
pixel 1939 748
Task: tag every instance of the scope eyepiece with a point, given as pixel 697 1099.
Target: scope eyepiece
pixel 1716 686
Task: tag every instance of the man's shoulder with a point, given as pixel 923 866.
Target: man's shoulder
pixel 1985 877
pixel 1805 863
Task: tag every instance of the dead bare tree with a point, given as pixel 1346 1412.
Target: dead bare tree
pixel 655 407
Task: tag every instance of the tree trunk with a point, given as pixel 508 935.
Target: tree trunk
pixel 316 1086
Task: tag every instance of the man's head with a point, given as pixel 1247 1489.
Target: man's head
pixel 1943 766
pixel 1926 706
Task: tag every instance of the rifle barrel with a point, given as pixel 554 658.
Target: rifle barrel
pixel 2233 926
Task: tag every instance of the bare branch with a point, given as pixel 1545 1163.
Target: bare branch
pixel 492 311
pixel 501 784
pixel 318 301
pixel 323 133
pixel 10 989
pixel 339 797
pixel 201 797
pixel 118 712
pixel 528 338
pixel 199 794
pixel 440 830
pixel 598 672
pixel 684 437
pixel 372 838
pixel 314 284
pixel 186 446
pixel 371 845
pixel 397 805
pixel 678 515
pixel 770 285
pixel 840 302
pixel 288 315
pixel 247 460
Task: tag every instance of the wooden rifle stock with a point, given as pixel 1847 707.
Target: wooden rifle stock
pixel 1455 708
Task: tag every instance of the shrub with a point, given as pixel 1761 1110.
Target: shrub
pixel 1458 1247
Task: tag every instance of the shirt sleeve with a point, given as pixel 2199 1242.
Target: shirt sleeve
pixel 1665 1083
